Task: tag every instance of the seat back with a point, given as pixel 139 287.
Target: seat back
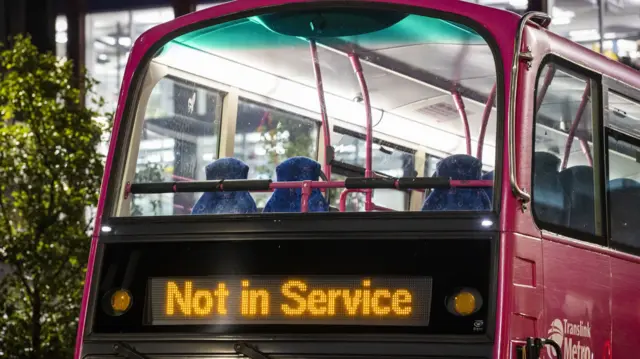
pixel 550 200
pixel 577 183
pixel 458 167
pixel 624 197
pixel 290 199
pixel 225 202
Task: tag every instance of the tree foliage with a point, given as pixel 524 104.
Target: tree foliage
pixel 283 137
pixel 148 204
pixel 50 173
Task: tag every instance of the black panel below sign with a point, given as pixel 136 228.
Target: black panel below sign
pixel 450 264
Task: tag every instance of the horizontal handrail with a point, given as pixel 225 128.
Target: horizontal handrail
pixel 346 192
pixel 334 163
pixel 269 185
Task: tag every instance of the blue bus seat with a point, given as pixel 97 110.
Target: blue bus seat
pixel 225 202
pixel 290 199
pixel 488 190
pixel 546 161
pixel 550 202
pixel 458 167
pixel 624 197
pixel 620 184
pixel 577 183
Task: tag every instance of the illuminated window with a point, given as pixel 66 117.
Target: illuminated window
pixel 623 187
pixel 109 37
pixel 388 159
pixel 565 180
pixel 266 136
pixel 179 138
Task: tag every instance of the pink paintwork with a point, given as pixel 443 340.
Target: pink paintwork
pixel 323 107
pixel 541 277
pixel 574 126
pixel 368 163
pixel 485 120
pixel 559 280
pixel 457 99
pixel 343 197
pixel 343 201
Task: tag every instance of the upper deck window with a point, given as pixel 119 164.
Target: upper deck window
pixel 623 186
pixel 179 135
pixel 564 180
pixel 623 114
pixel 266 136
pixel 429 81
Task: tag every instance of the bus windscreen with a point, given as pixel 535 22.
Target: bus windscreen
pixel 318 95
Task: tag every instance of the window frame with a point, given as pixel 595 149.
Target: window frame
pixel 122 207
pixel 343 131
pixel 248 98
pixel 601 235
pixel 116 185
pixel 288 110
pixel 632 94
pixel 347 169
pixel 341 167
pixel 636 143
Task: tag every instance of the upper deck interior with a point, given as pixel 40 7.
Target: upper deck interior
pixel 246 89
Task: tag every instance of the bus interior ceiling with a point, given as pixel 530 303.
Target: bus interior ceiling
pixel 410 85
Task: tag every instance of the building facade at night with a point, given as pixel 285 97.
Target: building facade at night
pixel 112 25
pixel 109 34
pixel 99 33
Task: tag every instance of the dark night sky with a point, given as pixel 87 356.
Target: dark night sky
pixel 109 5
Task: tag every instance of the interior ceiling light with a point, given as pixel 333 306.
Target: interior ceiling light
pixel 61 37
pixel 561 17
pixel 519 4
pixel 584 35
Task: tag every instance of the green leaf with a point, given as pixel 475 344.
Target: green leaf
pixel 50 172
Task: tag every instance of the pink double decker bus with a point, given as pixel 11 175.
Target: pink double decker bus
pixel 367 179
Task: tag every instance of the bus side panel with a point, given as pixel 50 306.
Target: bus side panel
pixel 576 298
pixel 625 308
pixel 527 287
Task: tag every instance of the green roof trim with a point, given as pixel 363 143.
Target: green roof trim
pixel 251 33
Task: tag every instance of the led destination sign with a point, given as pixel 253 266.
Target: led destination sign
pixel 334 300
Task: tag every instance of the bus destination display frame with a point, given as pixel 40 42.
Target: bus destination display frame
pixel 290 300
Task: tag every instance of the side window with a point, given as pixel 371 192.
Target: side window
pixel 388 159
pixel 180 136
pixel 623 187
pixel 266 136
pixel 564 180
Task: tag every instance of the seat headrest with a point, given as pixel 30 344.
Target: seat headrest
pixel 225 202
pixel 581 175
pixel 578 179
pixel 298 169
pixel 546 162
pixel 622 183
pixel 227 168
pixel 459 167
